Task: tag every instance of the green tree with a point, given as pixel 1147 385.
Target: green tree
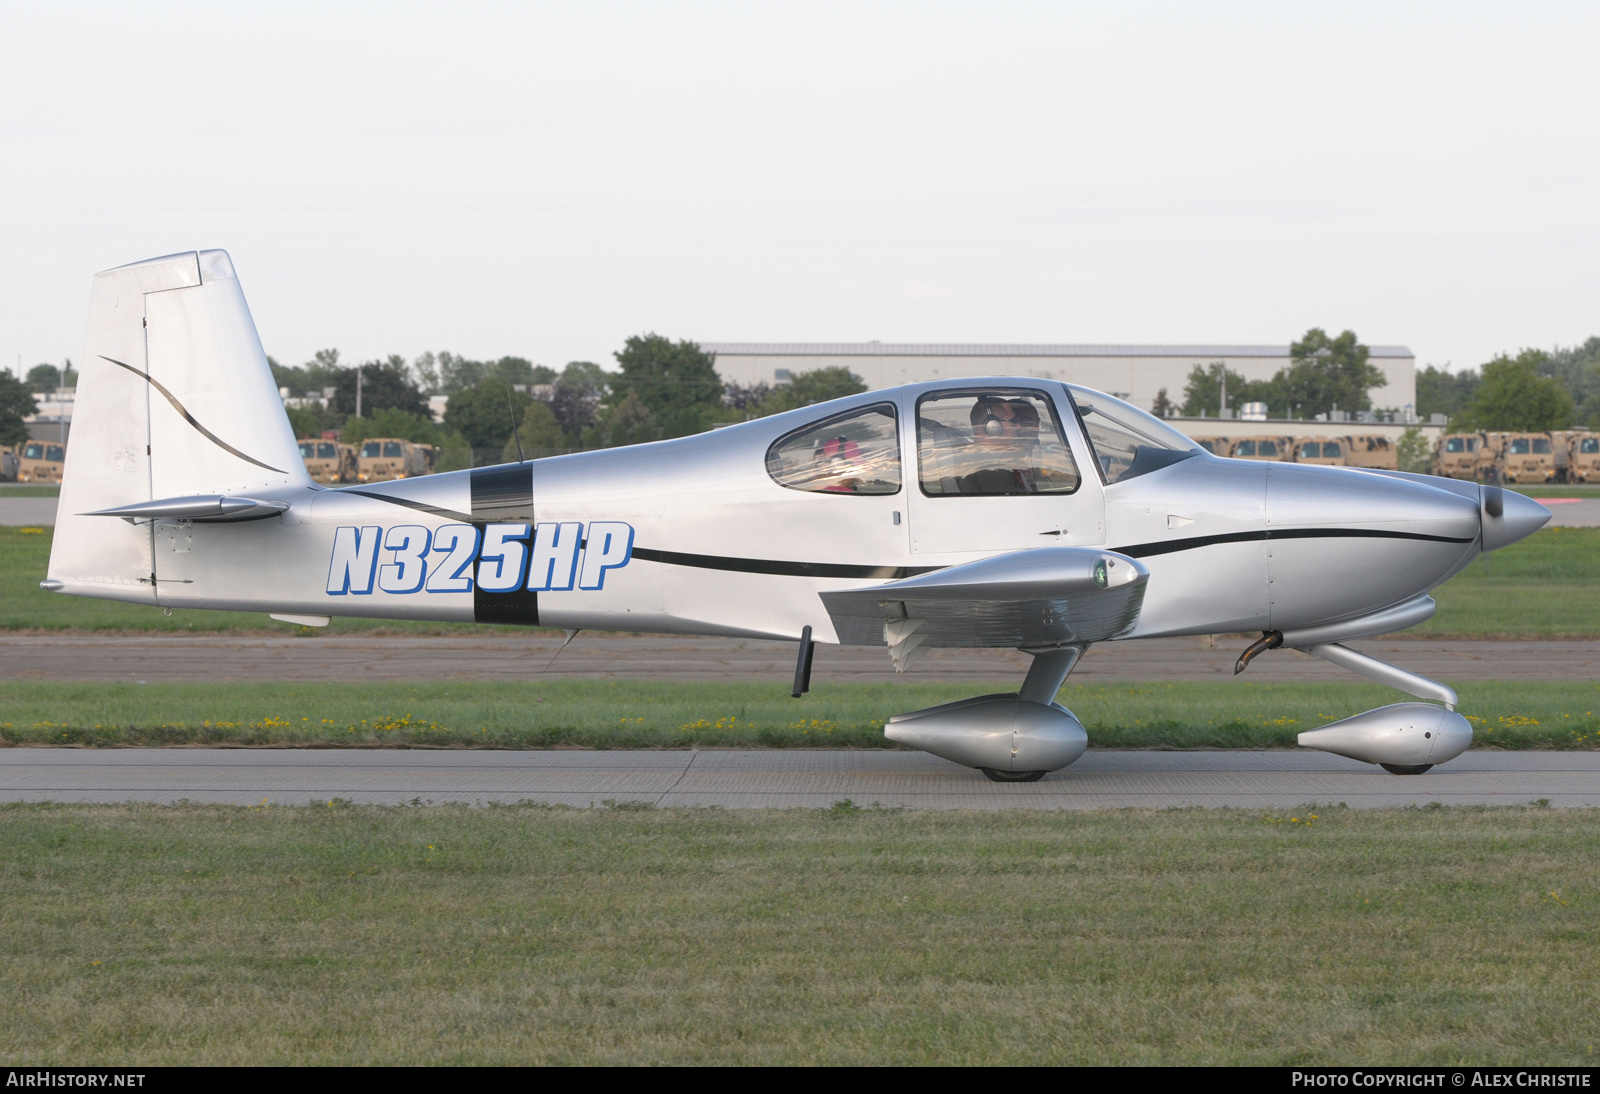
pixel 579 391
pixel 1413 452
pixel 309 421
pixel 397 423
pixel 1326 373
pixel 627 421
pixel 1513 396
pixel 676 382
pixel 1578 368
pixel 1440 391
pixel 482 413
pixel 44 378
pixel 539 432
pixel 1203 392
pixel 808 388
pixel 16 403
pixel 385 385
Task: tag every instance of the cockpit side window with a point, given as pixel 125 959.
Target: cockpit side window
pixel 1127 442
pixel 992 442
pixel 857 452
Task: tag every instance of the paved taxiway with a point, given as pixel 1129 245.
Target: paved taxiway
pixel 750 779
pixel 528 656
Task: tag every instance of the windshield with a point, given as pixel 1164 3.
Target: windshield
pixel 370 450
pixel 1127 442
pixel 1519 446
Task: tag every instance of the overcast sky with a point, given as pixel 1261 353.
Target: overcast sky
pixel 545 180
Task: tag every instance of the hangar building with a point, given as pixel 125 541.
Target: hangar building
pixel 1135 373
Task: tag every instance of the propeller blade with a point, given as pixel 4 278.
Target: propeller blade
pixel 1494 500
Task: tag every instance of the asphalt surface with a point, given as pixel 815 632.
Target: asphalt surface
pixel 782 779
pixel 501 656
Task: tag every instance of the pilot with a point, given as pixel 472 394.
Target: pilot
pixel 838 458
pixel 1004 432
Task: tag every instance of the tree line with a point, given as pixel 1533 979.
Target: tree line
pixel 660 389
pixel 1534 391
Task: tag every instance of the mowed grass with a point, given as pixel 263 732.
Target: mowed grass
pixel 1547 585
pixel 676 714
pixel 136 935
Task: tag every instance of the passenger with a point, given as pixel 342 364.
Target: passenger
pixel 841 457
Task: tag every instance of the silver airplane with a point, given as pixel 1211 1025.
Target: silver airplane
pixel 1004 512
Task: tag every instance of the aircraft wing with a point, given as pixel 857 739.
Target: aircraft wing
pixel 1048 596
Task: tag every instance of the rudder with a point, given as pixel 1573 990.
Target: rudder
pixel 175 398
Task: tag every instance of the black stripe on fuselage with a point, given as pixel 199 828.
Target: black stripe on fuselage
pixel 780 568
pixel 896 573
pixel 503 494
pixel 1167 547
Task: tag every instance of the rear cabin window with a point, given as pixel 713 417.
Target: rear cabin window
pixel 857 452
pixel 992 443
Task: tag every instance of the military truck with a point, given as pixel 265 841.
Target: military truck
pixel 384 458
pixel 1276 449
pixel 1371 450
pixel 1583 456
pixel 1527 457
pixel 328 461
pixel 1323 450
pixel 1217 446
pixel 41 461
pixel 1463 456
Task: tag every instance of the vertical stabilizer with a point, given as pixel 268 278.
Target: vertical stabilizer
pixel 175 398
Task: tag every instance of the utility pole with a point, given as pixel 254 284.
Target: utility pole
pixel 358 391
pixel 1222 411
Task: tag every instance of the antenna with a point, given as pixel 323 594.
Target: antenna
pixel 520 457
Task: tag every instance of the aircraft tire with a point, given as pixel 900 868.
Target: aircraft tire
pixel 1405 769
pixel 1012 776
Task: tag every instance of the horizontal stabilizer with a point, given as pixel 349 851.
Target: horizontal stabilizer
pixel 201 508
pixel 1048 596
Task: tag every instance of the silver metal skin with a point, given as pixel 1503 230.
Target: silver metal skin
pixel 184 489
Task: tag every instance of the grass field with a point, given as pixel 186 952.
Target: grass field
pixel 356 935
pixel 674 714
pixel 1548 585
pixel 1574 490
pixel 28 490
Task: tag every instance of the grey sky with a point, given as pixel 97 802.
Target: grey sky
pixel 547 180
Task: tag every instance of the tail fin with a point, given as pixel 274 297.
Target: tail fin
pixel 175 398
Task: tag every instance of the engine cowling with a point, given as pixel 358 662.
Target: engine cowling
pixel 996 732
